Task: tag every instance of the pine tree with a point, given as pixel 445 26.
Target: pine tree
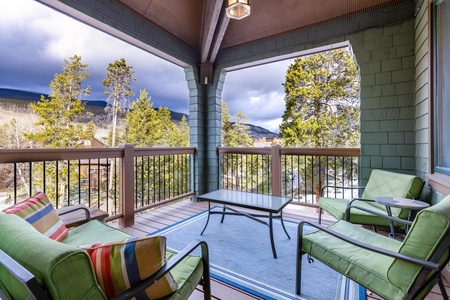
pixel 58 113
pixel 234 134
pixel 322 101
pixel 58 128
pixel 322 109
pixel 148 127
pixel 183 128
pixel 117 85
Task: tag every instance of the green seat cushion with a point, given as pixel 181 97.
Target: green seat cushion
pixel 65 271
pixel 186 274
pixel 430 228
pixel 94 232
pixel 381 183
pixel 363 266
pixel 334 206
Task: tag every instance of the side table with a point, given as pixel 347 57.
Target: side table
pixel 412 205
pixel 76 215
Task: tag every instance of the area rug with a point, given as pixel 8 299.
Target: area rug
pixel 241 256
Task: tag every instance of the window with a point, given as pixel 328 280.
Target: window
pixel 442 88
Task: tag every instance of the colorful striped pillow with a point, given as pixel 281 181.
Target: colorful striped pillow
pixel 120 265
pixel 39 212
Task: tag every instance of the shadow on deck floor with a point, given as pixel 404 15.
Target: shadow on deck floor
pixel 163 216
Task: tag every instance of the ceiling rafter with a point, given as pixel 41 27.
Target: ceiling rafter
pixel 218 37
pixel 211 13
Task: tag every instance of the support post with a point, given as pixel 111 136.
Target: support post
pixel 276 169
pixel 126 185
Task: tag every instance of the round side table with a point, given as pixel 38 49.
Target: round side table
pixel 411 205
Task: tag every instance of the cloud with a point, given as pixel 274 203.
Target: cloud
pixel 36 40
pixel 258 92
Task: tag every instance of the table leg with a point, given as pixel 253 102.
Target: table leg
pixel 282 223
pixel 223 215
pixel 207 220
pixel 271 235
pixel 391 223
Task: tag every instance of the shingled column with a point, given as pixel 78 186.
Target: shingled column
pixel 205 129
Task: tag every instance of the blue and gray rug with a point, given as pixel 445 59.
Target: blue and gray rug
pixel 240 255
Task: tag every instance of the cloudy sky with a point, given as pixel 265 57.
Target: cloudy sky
pixel 35 40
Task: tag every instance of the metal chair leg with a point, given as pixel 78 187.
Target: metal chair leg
pixel 442 287
pixel 320 215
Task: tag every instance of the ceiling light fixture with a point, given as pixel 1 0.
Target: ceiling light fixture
pixel 238 9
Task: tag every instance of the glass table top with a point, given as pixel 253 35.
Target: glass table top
pixel 246 199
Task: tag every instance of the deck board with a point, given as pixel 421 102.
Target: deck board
pixel 160 217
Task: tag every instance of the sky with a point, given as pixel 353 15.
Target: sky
pixel 35 40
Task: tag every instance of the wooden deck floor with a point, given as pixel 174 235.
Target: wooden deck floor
pixel 158 218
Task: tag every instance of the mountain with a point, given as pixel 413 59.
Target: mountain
pixel 95 106
pixel 257 132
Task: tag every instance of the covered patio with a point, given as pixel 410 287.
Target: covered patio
pixel 388 39
pixel 392 41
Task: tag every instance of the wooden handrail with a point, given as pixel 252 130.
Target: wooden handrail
pixel 34 155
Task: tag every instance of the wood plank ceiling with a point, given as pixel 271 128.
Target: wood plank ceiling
pixel 202 24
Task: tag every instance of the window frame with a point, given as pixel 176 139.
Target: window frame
pixel 439 177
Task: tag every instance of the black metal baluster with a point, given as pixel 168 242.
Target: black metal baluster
pixel 68 182
pixel 57 184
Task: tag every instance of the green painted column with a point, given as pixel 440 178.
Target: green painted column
pixel 205 129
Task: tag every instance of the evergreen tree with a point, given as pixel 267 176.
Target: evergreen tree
pixel 236 133
pixel 58 129
pixel 322 101
pixel 148 127
pixel 140 122
pixel 58 113
pixel 183 129
pixel 117 85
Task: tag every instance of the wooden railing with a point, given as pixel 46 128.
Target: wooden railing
pixel 126 180
pixel 121 181
pixel 295 172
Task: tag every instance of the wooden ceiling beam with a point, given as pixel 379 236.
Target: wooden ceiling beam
pixel 211 13
pixel 220 33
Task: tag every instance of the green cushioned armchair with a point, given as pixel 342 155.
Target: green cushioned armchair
pixel 391 268
pixel 33 266
pixel 381 183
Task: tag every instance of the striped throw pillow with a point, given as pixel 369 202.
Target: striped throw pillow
pixel 120 265
pixel 39 212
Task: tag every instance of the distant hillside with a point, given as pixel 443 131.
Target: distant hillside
pixel 257 132
pixel 96 107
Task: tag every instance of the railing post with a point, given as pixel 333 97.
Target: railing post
pixel 126 185
pixel 276 169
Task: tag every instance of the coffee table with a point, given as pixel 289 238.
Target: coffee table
pixel 412 205
pixel 273 205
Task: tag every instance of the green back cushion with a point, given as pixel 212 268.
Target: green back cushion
pixel 430 227
pixel 65 271
pixel 385 183
pixel 120 265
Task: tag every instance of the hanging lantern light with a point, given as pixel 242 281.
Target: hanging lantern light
pixel 238 9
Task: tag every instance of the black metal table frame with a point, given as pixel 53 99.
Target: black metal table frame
pixel 413 209
pixel 251 216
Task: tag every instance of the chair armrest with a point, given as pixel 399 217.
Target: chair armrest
pixel 347 215
pixel 407 258
pixel 142 285
pixel 68 210
pixel 23 275
pixel 340 187
pixel 359 199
